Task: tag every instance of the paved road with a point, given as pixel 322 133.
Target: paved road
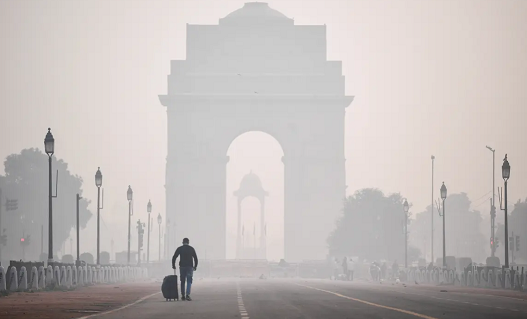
pixel 277 298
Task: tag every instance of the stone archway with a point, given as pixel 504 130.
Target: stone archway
pixel 251 186
pixel 255 71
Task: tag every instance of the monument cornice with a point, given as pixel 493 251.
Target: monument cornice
pixel 207 100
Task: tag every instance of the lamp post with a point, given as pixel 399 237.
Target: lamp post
pixel 432 208
pixel 98 183
pixel 49 145
pixel 443 197
pixel 492 205
pixel 149 210
pixel 167 239
pixel 159 220
pixel 129 196
pixel 506 173
pixel 78 262
pixel 406 207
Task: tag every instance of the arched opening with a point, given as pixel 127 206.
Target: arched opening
pixel 261 154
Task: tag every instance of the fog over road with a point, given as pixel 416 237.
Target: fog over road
pixel 276 298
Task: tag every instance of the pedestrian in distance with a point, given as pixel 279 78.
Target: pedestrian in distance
pixel 345 267
pixel 188 263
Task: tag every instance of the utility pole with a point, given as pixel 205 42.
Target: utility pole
pixel 41 239
pixel 492 204
pixel 512 246
pixel 78 231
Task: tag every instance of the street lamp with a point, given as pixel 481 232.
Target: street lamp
pixel 432 217
pixel 506 173
pixel 159 220
pixel 443 197
pixel 406 207
pixel 129 196
pixel 49 146
pixel 149 210
pixel 98 183
pixel 167 238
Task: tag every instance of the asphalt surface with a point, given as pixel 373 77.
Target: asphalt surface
pixel 280 298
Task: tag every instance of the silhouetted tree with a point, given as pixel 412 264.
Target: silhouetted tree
pixel 518 225
pixel 26 179
pixel 463 231
pixel 371 227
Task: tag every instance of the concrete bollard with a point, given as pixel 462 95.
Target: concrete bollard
pixel 13 279
pixel 56 276
pixel 90 275
pixel 41 277
pixel 75 276
pixel 63 278
pixel 69 277
pixel 80 276
pixel 507 279
pixel 49 276
pixel 33 281
pixel 22 279
pixel 3 283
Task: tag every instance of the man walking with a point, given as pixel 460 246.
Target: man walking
pixel 186 266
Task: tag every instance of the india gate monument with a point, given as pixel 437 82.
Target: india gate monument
pixel 255 71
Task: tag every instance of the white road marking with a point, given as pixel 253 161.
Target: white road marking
pixel 241 306
pixel 419 315
pixel 118 309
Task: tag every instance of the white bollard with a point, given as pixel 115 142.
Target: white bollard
pixel 49 276
pixel 80 276
pixel 63 278
pixel 75 276
pixel 84 275
pixel 69 277
pixel 33 281
pixel 507 279
pixel 22 279
pixel 13 279
pixel 3 283
pixel 56 276
pixel 41 277
pixel 89 275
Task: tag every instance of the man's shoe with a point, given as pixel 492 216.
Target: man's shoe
pixel 188 298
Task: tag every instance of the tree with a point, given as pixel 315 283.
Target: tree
pixel 518 225
pixel 26 179
pixel 463 231
pixel 371 227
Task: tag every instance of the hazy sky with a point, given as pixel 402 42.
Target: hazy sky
pixel 429 77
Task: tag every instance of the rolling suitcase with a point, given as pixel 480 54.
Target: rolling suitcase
pixel 169 288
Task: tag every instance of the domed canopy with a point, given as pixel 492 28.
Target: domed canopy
pixel 255 13
pixel 250 186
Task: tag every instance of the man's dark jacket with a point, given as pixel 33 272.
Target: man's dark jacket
pixel 187 253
